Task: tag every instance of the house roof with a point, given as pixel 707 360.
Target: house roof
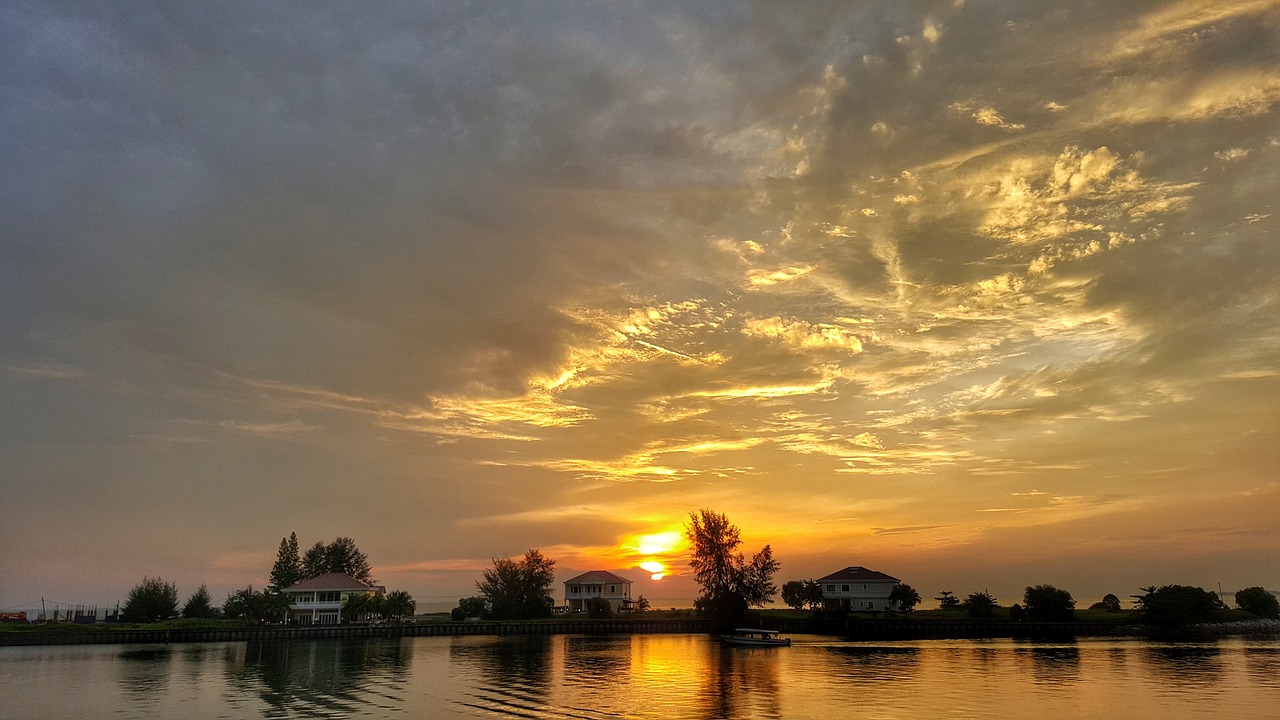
pixel 858 573
pixel 330 581
pixel 600 576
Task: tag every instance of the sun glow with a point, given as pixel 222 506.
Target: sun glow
pixel 658 543
pixel 657 569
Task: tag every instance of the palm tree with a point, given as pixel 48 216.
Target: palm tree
pixel 357 607
pixel 399 604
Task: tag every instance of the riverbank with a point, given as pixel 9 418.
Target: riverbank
pixel 851 628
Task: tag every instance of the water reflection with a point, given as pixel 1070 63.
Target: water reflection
pixel 144 675
pixel 1053 664
pixel 874 664
pixel 1263 665
pixel 515 673
pixel 740 683
pixel 1187 664
pixel 594 660
pixel 318 677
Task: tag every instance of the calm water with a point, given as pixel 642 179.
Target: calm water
pixel 644 676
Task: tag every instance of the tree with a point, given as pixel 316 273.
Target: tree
pixel 519 589
pixel 399 605
pixel 1258 601
pixel 255 607
pixel 360 607
pixel 980 605
pixel 905 596
pixel 599 608
pixel 1109 602
pixel 199 605
pixel 642 604
pixel 288 568
pixel 342 556
pixel 1178 605
pixel 151 600
pixel 730 584
pixel 468 607
pixel 793 594
pixel 1048 603
pixel 947 601
pixel 315 561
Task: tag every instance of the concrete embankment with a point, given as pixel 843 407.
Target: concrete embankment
pixel 597 627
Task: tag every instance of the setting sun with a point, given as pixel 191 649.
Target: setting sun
pixel 659 543
pixel 657 569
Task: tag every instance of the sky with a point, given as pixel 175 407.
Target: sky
pixel 980 295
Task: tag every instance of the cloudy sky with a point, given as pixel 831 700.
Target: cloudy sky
pixel 978 294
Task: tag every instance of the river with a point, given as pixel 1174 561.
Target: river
pixel 644 676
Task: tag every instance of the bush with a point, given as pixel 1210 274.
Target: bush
pixel 1179 605
pixel 468 607
pixel 151 600
pixel 1258 601
pixel 980 605
pixel 1109 603
pixel 1048 603
pixel 598 608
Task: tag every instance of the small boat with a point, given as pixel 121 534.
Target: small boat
pixel 755 637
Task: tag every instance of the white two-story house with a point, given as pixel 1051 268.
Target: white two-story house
pixel 857 588
pixel 318 601
pixel 580 590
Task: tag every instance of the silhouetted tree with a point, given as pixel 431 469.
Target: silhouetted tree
pixel 1048 603
pixel 905 596
pixel 254 607
pixel 519 589
pixel 793 594
pixel 947 601
pixel 730 584
pixel 1178 605
pixel 599 608
pixel 288 568
pixel 342 556
pixel 1109 602
pixel 980 605
pixel 1258 601
pixel 468 607
pixel 199 605
pixel 400 605
pixel 315 561
pixel 151 600
pixel 1017 613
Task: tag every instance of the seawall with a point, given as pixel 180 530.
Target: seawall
pixel 595 627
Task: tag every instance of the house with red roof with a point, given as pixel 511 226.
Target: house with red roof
pixel 318 601
pixel 857 588
pixel 580 590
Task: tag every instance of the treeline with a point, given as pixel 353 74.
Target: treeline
pixel 1164 606
pixel 154 599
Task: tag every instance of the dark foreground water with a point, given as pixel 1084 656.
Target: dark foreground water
pixel 644 676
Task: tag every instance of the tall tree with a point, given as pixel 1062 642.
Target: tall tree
pixel 288 568
pixel 342 556
pixel 150 600
pixel 730 584
pixel 199 605
pixel 315 562
pixel 519 589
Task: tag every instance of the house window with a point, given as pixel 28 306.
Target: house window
pixel 613 589
pixel 831 588
pixel 844 588
pixel 575 589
